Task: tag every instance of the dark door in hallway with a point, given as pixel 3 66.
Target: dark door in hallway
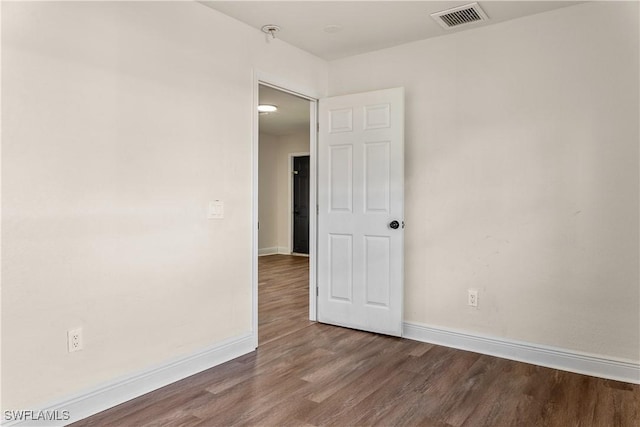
pixel 301 204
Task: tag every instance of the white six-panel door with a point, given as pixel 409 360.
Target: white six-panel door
pixel 360 195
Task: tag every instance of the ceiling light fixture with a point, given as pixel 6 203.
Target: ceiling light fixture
pixel 270 30
pixel 267 108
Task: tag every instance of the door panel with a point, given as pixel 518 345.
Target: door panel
pixel 340 267
pixel 376 176
pixel 340 178
pixel 360 192
pixel 377 281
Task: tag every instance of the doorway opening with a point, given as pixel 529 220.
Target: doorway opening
pixel 284 235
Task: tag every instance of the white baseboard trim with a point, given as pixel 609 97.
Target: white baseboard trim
pixel 550 357
pixel 121 390
pixel 279 250
pixel 267 251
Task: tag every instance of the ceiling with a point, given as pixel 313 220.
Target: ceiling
pixel 292 115
pixel 365 25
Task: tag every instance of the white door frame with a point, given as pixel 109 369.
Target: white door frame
pixel 290 211
pixel 261 78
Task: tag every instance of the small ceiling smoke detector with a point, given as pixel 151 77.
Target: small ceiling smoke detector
pixel 270 30
pixel 459 16
pixel 333 28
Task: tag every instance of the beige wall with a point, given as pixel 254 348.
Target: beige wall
pixel 268 192
pixel 275 191
pixel 121 120
pixel 521 176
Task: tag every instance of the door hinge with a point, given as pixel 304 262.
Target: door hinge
pixel 317 209
pixel 317 126
pixel 317 291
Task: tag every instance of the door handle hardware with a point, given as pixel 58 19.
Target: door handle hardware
pixel 394 225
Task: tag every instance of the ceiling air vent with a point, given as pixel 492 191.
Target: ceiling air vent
pixel 460 15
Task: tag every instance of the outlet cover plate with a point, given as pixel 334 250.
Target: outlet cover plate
pixel 74 340
pixel 472 298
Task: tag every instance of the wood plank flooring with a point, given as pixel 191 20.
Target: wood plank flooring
pixel 309 374
pixel 283 296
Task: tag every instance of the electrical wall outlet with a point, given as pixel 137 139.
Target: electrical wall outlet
pixel 74 340
pixel 472 298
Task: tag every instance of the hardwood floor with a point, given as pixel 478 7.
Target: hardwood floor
pixel 283 296
pixel 309 374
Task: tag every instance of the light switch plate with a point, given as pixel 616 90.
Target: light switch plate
pixel 216 210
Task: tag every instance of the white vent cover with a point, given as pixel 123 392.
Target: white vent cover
pixel 461 15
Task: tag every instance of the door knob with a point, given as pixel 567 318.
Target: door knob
pixel 394 224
